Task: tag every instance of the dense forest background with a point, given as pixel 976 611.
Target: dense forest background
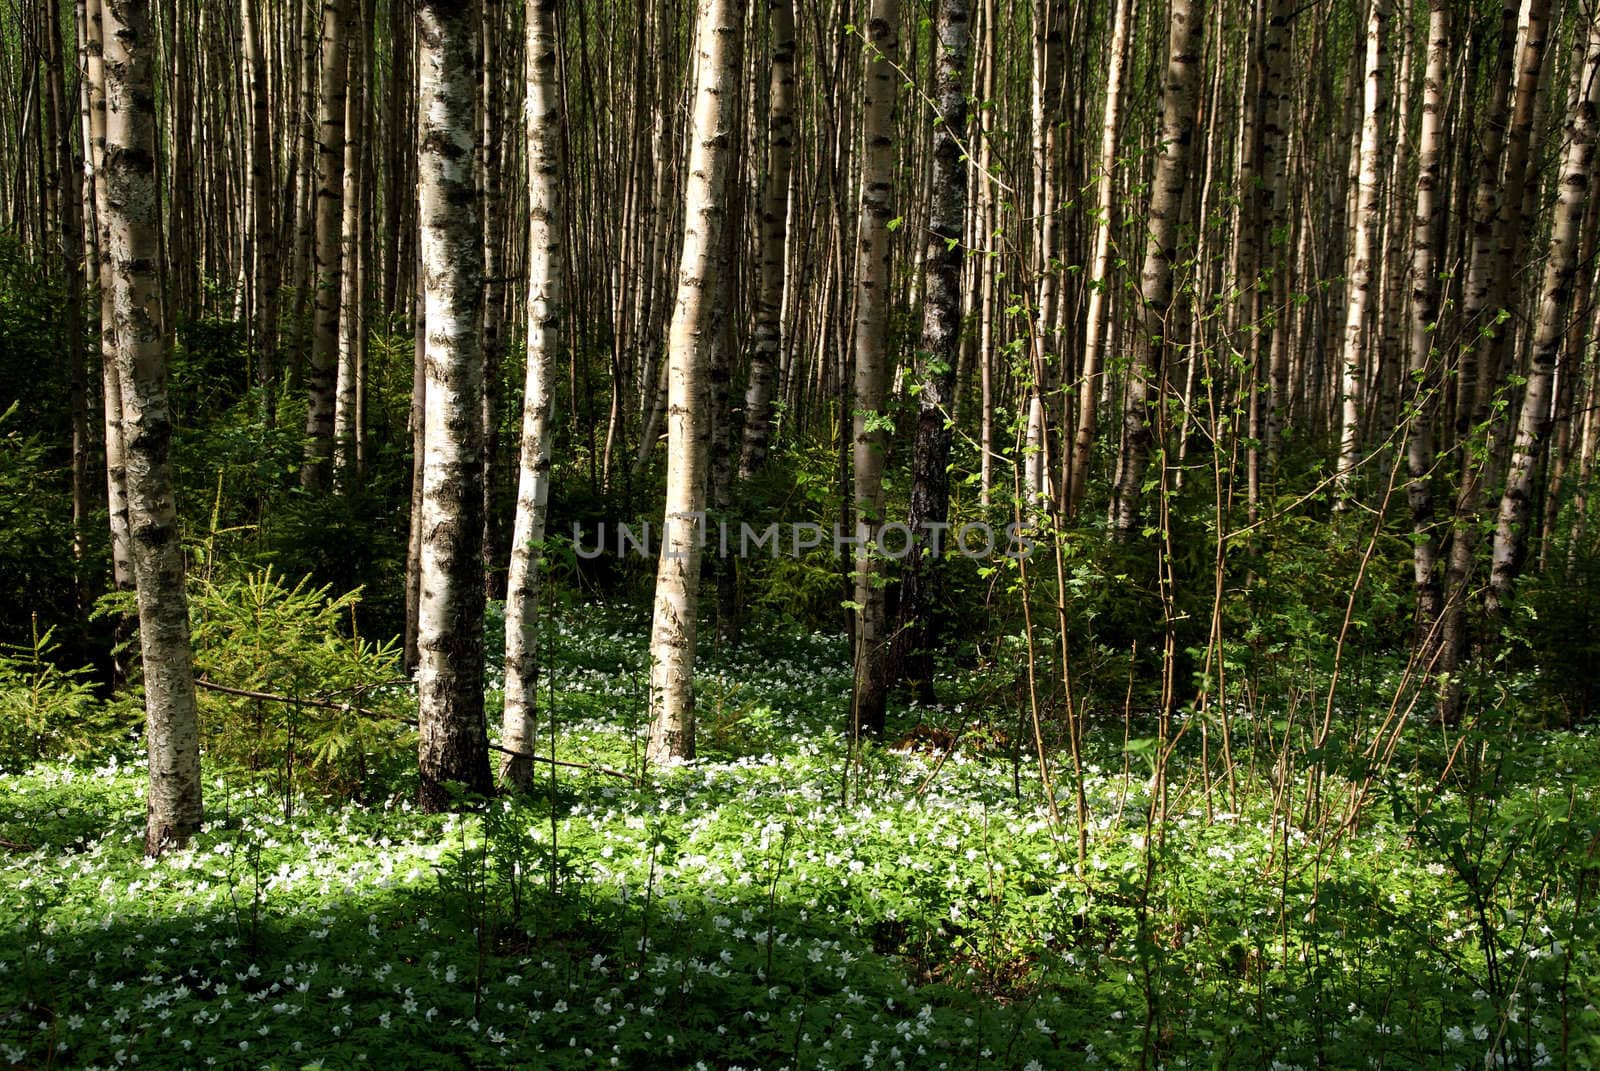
pixel 1331 268
pixel 336 335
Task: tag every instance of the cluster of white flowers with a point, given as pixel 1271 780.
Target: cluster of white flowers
pixel 272 935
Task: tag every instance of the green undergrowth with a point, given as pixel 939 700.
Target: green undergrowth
pixel 781 904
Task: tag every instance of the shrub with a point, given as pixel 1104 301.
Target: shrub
pixel 47 712
pixel 1556 623
pixel 257 634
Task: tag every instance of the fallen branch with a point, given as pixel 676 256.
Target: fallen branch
pixel 329 704
pixel 562 762
pixel 296 700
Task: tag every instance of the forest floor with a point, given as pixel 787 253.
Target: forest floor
pixel 781 905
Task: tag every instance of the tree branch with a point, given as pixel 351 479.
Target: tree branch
pixel 328 704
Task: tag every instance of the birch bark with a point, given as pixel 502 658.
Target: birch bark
pixel 545 231
pixel 697 319
pixel 132 209
pixel 452 743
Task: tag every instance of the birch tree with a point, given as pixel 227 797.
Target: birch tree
pixel 1471 407
pixel 697 319
pixel 1421 369
pixel 942 259
pixel 869 434
pixel 1275 119
pixel 327 248
pixel 1510 234
pixel 546 228
pixel 132 211
pixel 347 363
pixel 1533 427
pixel 1181 85
pixel 1363 236
pixel 122 573
pixel 264 270
pixel 452 743
pixel 68 191
pixel 774 241
pixel 1099 262
pixel 1045 92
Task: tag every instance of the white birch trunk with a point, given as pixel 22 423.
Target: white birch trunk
pixel 1186 28
pixel 545 307
pixel 1422 369
pixel 133 224
pixel 1048 17
pixel 1511 535
pixel 452 743
pixel 1099 262
pixel 696 320
pixel 346 412
pixel 327 251
pixel 110 376
pixel 871 442
pixel 774 240
pixel 1362 241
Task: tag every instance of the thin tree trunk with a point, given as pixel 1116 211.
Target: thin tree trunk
pixel 1147 376
pixel 1511 535
pixel 304 166
pixel 1422 367
pixel 1048 17
pixel 494 286
pixel 418 426
pixel 1513 212
pixel 264 273
pixel 871 440
pixel 696 326
pixel 1274 195
pixel 774 240
pixel 1251 237
pixel 1587 449
pixel 984 240
pixel 1387 365
pixel 1363 240
pixel 132 207
pixel 1566 438
pixel 122 571
pixel 655 413
pixel 347 379
pixel 452 744
pixel 397 188
pixel 1497 208
pixel 943 257
pixel 725 438
pixel 67 182
pixel 327 254
pixel 1099 263
pixel 545 308
pixel 1471 405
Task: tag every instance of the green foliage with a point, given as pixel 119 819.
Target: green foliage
pixel 737 913
pixel 47 711
pixel 259 634
pixel 36 569
pixel 1555 626
pixel 344 542
pixel 1518 845
pixel 237 467
pixel 800 484
pixel 210 370
pixel 32 342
